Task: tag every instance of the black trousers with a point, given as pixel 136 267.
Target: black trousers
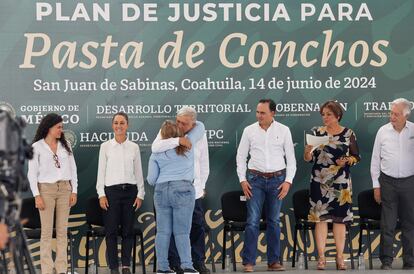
pixel 397 202
pixel 120 214
pixel 197 239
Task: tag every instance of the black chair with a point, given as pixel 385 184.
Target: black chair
pixel 234 213
pixel 370 218
pixel 210 241
pixel 301 207
pixel 32 226
pixel 96 229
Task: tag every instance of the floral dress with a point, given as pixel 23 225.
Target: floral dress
pixel 330 188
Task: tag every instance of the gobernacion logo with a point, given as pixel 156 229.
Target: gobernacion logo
pixel 70 136
pixel 8 108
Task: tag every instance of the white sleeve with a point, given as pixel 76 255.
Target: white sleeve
pixel 241 158
pixel 74 172
pixel 138 174
pixel 100 180
pixel 33 172
pixel 376 161
pixel 204 161
pixel 290 157
pixel 162 145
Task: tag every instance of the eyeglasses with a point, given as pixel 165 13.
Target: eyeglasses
pixel 55 157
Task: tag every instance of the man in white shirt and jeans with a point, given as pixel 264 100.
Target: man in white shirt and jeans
pixel 186 119
pixel 265 180
pixel 392 173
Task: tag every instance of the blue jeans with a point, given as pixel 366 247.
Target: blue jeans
pixel 174 204
pixel 197 239
pixel 264 195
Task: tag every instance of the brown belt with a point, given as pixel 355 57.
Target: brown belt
pixel 269 174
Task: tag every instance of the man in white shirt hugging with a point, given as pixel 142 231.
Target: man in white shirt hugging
pixel 186 119
pixel 265 180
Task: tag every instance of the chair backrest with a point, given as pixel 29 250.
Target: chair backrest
pixel 233 209
pixel 30 213
pixel 301 204
pixel 367 206
pixel 94 213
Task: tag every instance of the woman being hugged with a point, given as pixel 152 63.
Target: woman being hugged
pixel 172 173
pixel 53 181
pixel 120 188
pixel 330 188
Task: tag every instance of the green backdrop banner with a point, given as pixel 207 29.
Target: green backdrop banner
pixel 90 59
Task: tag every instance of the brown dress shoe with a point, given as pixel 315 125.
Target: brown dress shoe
pixel 248 268
pixel 275 267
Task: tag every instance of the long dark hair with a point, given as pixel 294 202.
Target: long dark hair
pixel 47 122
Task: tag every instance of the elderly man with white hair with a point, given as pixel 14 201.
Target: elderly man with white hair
pixel 186 120
pixel 392 173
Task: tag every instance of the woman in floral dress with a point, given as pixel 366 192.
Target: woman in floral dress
pixel 331 189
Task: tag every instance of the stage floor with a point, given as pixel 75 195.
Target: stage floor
pixel 261 268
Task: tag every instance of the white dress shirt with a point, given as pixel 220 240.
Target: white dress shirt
pixel 201 159
pixel 42 167
pixel 393 153
pixel 268 150
pixel 119 164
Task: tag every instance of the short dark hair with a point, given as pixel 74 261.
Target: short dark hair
pixel 335 107
pixel 123 114
pixel 272 104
